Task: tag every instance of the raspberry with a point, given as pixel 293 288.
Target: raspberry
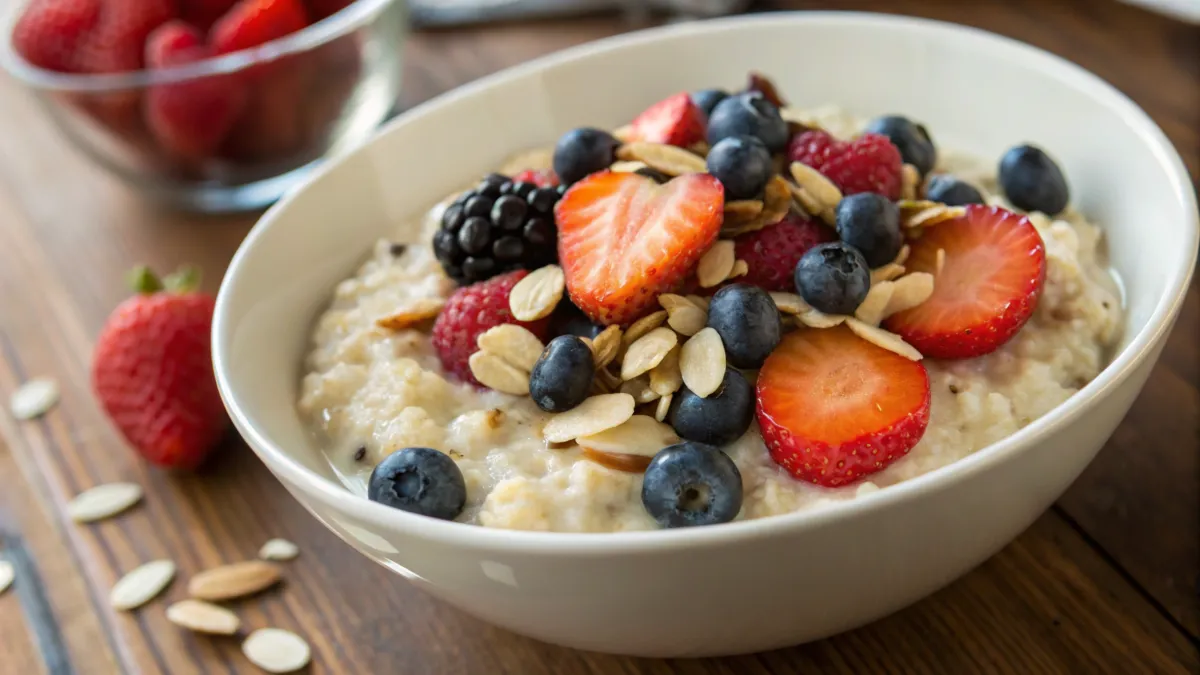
pixel 772 252
pixel 543 178
pixel 869 163
pixel 472 310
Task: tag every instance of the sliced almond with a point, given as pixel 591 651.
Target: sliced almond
pixel 888 272
pixel 594 415
pixel 494 372
pixel 425 309
pixel 617 461
pixel 34 398
pixel 639 389
pixel 817 319
pixel 716 264
pixel 742 211
pixel 606 345
pixel 626 167
pixel 638 435
pixel 276 650
pixel 698 300
pixel 647 351
pixel 700 148
pixel 902 256
pixel 818 195
pixel 638 329
pixel 789 303
pixel 623 133
pixel 665 378
pixel 671 301
pixel 882 338
pixel 141 585
pixel 663 407
pixel 740 269
pixel 939 260
pixel 777 200
pixel 535 296
pixel 702 362
pixel 513 343
pixel 871 309
pixel 234 581
pixel 910 179
pixel 910 290
pixel 668 159
pixel 282 549
pixel 103 501
pixel 203 617
pixel 939 213
pixel 686 318
pixel 7 574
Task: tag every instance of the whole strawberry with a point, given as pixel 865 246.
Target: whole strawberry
pixel 152 372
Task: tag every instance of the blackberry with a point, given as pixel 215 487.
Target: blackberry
pixel 498 226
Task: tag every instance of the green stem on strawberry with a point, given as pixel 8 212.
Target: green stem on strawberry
pixel 144 281
pixel 184 280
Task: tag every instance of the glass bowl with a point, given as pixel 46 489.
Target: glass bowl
pixel 290 102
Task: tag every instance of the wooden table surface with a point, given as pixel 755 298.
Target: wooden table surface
pixel 1106 581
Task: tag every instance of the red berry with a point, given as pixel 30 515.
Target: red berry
pixel 49 32
pixel 189 118
pixel 673 121
pixel 542 178
pixel 623 239
pixel 153 375
pixel 988 287
pixel 470 312
pixel 202 13
pixel 834 408
pixel 250 23
pixel 772 252
pixel 117 43
pixel 319 9
pixel 869 163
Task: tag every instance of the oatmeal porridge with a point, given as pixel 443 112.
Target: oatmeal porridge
pixel 376 383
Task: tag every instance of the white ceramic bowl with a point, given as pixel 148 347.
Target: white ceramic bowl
pixel 745 586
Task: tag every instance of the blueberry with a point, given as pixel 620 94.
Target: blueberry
pixel 707 99
pixel 721 418
pixel 1032 181
pixel 690 484
pixel 508 213
pixel 583 151
pixel 951 191
pixel 910 138
pixel 742 164
pixel 748 322
pixel 570 320
pixel 870 223
pixel 474 236
pixel 748 114
pixel 562 376
pixel 833 278
pixel 419 480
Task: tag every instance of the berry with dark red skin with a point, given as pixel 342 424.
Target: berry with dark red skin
pixel 117 41
pixel 49 32
pixel 772 252
pixel 675 120
pixel 951 191
pixel 834 408
pixel 470 312
pixel 911 139
pixel 869 163
pixel 152 372
pixel 251 23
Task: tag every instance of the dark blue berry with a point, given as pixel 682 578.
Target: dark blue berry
pixel 951 191
pixel 522 189
pixel 478 207
pixel 419 480
pixel 721 418
pixel 1032 181
pixel 742 164
pixel 689 484
pixel 477 269
pixel 562 377
pixel 543 200
pixel 748 322
pixel 870 223
pixel 833 278
pixel 748 114
pixel 508 213
pixel 707 99
pixel 583 151
pixel 911 139
pixel 538 231
pixel 445 247
pixel 570 320
pixel 452 217
pixel 491 185
pixel 508 248
pixel 474 236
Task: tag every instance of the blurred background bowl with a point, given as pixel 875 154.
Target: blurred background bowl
pixel 315 92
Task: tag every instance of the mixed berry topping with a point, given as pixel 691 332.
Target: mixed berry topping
pixel 742 164
pixel 1032 181
pixel 834 278
pixel 419 480
pixel 562 377
pixel 910 138
pixel 583 151
pixel 748 114
pixel 870 223
pixel 692 484
pixel 707 99
pixel 946 189
pixel 717 419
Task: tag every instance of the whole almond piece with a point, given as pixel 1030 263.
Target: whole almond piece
pixel 594 415
pixel 512 343
pixel 494 372
pixel 203 617
pixel 702 362
pixel 276 650
pixel 141 585
pixel 647 352
pixel 535 296
pixel 103 501
pixel 716 264
pixel 234 581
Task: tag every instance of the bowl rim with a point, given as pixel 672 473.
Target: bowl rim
pixel 345 21
pixel 339 499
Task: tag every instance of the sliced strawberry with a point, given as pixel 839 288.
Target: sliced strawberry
pixel 674 120
pixel 623 239
pixel 988 287
pixel 834 408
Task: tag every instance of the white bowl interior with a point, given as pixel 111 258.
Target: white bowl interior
pixel 975 91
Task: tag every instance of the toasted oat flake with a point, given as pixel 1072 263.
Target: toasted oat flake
pixel 276 650
pixel 639 435
pixel 687 319
pixel 814 318
pixel 513 343
pixel 882 338
pixel 939 260
pixel 647 351
pixel 789 303
pixel 421 311
pixel 494 372
pixel 668 159
pixel 234 581
pixel 7 574
pixel 278 549
pixel 103 501
pixel 639 389
pixel 606 345
pixel 702 362
pixel 665 378
pixel 203 617
pixel 141 585
pixel 871 309
pixel 910 290
pixel 594 415
pixel 740 269
pixel 535 296
pixel 887 272
pixel 34 398
pixel 642 326
pixel 777 200
pixel 716 264
pixel 910 179
pixel 626 167
pixel 537 159
pixel 742 210
pixel 663 407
